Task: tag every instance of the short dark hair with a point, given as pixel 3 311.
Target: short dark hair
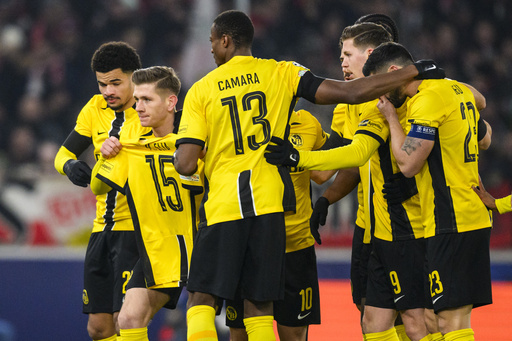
pixel 164 78
pixel 365 35
pixel 237 25
pixel 115 55
pixel 383 20
pixel 385 55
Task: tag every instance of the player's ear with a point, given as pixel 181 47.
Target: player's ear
pixel 225 40
pixel 172 100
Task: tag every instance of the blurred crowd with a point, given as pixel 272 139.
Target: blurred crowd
pixel 46 46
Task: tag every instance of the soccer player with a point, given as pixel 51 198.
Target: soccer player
pixel 162 203
pixel 235 111
pixel 301 304
pixel 440 145
pixel 356 43
pixel 111 252
pixel 395 283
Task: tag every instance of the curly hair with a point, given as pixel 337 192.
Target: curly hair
pixel 115 55
pixel 237 25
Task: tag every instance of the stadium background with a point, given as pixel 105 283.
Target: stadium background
pixel 45 51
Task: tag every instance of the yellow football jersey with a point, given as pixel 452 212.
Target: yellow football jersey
pixel 395 222
pixel 98 122
pixel 162 204
pixel 444 111
pixel 306 133
pixel 339 117
pixel 234 111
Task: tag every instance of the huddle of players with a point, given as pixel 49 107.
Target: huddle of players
pixel 145 158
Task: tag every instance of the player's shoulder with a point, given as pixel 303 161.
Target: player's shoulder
pixel 97 102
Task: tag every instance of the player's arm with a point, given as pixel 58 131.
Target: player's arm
pixel 480 100
pixel 502 205
pixel 334 140
pixel 410 152
pixel 346 180
pixel 484 134
pixel 355 154
pixel 66 163
pixel 186 157
pixel 364 89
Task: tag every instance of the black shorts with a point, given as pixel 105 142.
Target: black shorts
pixel 359 265
pixel 249 252
pixel 396 276
pixel 301 304
pixel 137 280
pixel 109 260
pixel 460 269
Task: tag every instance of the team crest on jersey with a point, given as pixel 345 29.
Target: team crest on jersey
pixel 85 297
pixel 296 140
pixel 231 313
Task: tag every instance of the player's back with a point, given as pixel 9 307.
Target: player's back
pixel 448 202
pixel 245 102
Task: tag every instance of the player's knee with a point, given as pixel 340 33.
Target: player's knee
pixel 100 329
pixel 128 320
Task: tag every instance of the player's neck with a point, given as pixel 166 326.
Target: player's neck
pixel 128 104
pixel 165 128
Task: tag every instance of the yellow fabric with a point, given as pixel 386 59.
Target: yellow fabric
pixel 460 335
pixel 235 110
pixel 355 154
pixel 144 171
pixel 260 328
pixel 305 134
pixel 388 335
pixel 400 332
pixel 436 337
pixel 63 156
pixel 97 186
pixel 448 201
pixel 95 121
pixel 426 338
pixel 403 222
pixel 134 334
pixel 201 323
pixel 345 121
pixel 112 338
pixel 504 205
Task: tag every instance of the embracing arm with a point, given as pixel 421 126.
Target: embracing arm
pixel 186 156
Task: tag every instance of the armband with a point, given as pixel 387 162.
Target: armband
pixel 308 85
pixel 422 132
pixel 504 205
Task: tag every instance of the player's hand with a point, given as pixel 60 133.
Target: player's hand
pixel 398 188
pixel 111 147
pixel 318 217
pixel 488 200
pixel 281 153
pixel 386 108
pixel 428 69
pixel 78 172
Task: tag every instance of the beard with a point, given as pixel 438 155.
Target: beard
pixel 396 98
pixel 114 107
